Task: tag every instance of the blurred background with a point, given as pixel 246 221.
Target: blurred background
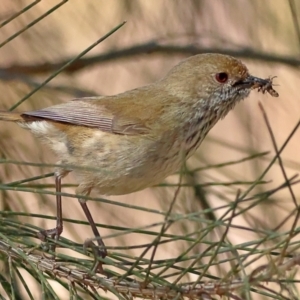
pixel 265 35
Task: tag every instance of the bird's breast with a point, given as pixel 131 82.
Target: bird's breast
pixel 196 131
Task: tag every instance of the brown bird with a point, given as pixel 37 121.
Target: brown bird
pixel 124 143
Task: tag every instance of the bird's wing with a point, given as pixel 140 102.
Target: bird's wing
pixel 93 112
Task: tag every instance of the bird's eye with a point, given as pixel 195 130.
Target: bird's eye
pixel 222 77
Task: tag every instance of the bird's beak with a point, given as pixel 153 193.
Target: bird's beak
pixel 251 82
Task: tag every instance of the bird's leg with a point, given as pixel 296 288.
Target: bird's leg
pixel 55 232
pixel 101 249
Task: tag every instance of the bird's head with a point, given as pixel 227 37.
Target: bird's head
pixel 213 82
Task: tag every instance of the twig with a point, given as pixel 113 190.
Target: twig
pixel 263 274
pixel 151 47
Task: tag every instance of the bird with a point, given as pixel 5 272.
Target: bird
pixel 124 143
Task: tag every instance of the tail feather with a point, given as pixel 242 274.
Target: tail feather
pixel 11 116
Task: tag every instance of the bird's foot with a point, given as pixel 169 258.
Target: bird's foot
pixel 99 252
pixel 53 233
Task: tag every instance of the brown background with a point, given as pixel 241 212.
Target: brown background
pixel 264 27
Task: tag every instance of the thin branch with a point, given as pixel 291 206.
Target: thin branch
pixel 60 269
pixel 151 47
pixel 292 231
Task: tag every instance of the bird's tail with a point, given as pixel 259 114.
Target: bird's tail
pixel 10 116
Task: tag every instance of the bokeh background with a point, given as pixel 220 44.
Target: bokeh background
pixel 265 35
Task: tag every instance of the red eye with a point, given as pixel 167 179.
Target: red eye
pixel 222 77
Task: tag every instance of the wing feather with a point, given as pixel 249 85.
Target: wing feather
pixel 92 112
